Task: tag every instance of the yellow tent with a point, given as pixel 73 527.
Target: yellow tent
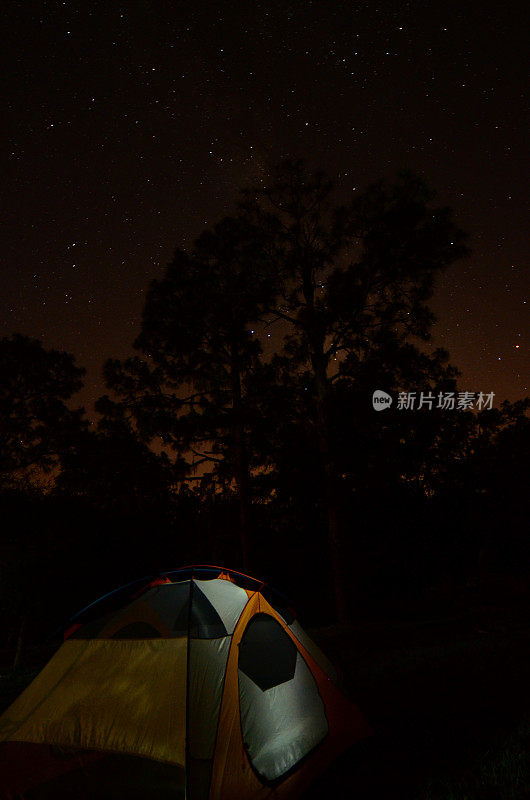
pixel 201 685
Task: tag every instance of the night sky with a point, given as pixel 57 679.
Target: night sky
pixel 131 126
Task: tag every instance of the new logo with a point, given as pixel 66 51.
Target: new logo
pixel 381 400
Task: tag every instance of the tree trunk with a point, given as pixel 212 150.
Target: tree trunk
pixel 334 515
pixel 319 364
pixel 242 476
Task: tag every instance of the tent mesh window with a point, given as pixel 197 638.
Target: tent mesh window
pixel 282 714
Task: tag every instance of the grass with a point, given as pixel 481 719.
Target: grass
pixel 449 701
pixel 502 772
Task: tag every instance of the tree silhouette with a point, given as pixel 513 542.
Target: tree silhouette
pixel 36 430
pixel 348 288
pixel 354 284
pixel 35 421
pixel 115 472
pixel 190 389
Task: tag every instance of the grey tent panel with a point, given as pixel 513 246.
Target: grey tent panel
pixel 206 674
pixel 228 599
pixel 202 623
pixel 168 601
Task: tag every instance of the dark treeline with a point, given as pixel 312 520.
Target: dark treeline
pixel 243 433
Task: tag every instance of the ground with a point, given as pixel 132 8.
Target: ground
pixel 449 701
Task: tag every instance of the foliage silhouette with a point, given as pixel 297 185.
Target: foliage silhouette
pixel 190 390
pixel 354 281
pixel 35 422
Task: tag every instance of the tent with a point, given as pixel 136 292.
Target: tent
pixel 198 684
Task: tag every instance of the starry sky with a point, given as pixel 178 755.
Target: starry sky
pixel 130 126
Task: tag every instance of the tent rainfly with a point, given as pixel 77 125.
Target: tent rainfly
pixel 199 684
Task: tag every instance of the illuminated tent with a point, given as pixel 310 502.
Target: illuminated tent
pixel 199 684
